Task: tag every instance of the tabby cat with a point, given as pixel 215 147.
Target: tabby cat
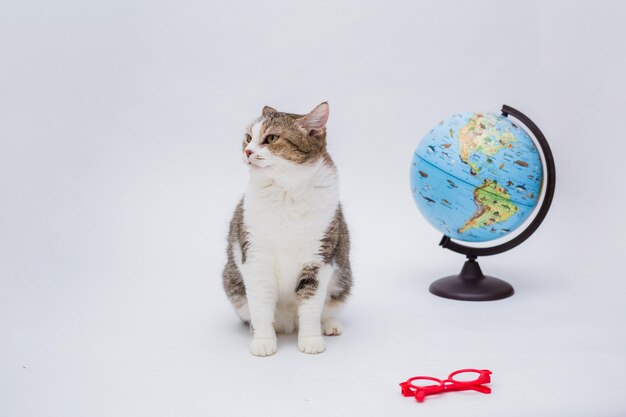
pixel 288 264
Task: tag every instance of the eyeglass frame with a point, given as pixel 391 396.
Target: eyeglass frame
pixel 446 385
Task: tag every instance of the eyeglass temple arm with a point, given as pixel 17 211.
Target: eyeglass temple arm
pixel 476 387
pixel 481 388
pixel 420 394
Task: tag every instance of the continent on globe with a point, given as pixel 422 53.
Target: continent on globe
pixel 494 206
pixel 476 176
pixel 480 134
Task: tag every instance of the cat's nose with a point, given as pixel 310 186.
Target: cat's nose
pixel 248 152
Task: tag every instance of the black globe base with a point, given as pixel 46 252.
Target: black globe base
pixel 471 285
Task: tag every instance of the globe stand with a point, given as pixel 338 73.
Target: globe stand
pixel 471 284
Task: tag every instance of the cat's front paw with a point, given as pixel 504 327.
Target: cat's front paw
pixel 263 346
pixel 311 344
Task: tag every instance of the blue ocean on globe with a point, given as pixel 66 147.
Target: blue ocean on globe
pixel 476 176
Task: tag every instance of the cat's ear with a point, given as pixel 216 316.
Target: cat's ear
pixel 315 120
pixel 267 110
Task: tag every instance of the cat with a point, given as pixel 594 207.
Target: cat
pixel 288 264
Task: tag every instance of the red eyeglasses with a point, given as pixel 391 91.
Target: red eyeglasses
pixel 413 387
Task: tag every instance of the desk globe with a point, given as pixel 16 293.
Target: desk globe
pixel 477 177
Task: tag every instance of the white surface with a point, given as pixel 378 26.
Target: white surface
pixel 120 129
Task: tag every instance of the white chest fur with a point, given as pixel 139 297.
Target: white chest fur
pixel 286 221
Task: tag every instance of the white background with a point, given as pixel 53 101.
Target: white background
pixel 120 131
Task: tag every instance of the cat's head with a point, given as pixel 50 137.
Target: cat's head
pixel 277 142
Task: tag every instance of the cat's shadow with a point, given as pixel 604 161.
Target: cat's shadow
pixel 283 339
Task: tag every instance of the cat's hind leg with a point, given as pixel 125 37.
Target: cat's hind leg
pixel 243 312
pixel 285 318
pixel 338 291
pixel 331 326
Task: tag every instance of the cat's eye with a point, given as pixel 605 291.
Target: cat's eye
pixel 248 138
pixel 271 138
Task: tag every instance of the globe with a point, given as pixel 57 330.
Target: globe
pixel 476 176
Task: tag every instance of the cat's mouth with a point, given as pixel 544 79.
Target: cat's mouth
pixel 257 162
